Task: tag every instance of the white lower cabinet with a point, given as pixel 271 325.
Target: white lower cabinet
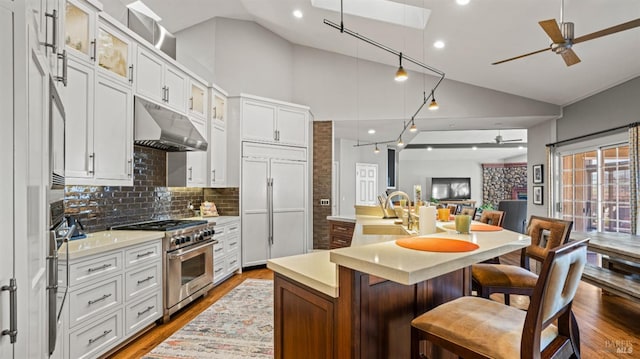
pixel 111 297
pixel 226 253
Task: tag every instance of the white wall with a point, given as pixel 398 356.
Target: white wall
pixel 617 106
pixel 202 37
pixel 414 172
pixel 537 137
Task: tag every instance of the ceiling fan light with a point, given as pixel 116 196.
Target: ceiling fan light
pixel 401 74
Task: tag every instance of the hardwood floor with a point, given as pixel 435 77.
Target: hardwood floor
pixel 609 325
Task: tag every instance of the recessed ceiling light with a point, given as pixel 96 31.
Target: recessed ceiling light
pixel 297 13
pixel 438 44
pixel 371 131
pixel 462 2
pixel 520 147
pixel 474 148
pixel 429 148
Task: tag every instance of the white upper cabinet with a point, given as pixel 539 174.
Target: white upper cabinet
pixel 198 99
pixel 79 29
pixel 274 122
pixel 159 81
pixel 218 140
pixel 114 53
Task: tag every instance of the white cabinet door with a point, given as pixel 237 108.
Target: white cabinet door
pixel 78 98
pixel 6 182
pixel 255 224
pixel 149 79
pixel 292 127
pixel 218 143
pixel 113 128
pixel 114 54
pixel 258 121
pixel 79 30
pixel 198 99
pixel 176 83
pixel 289 207
pixel 197 160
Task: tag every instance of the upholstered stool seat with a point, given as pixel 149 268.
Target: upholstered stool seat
pixel 482 326
pixel 503 275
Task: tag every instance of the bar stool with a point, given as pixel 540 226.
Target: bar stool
pixel 495 218
pixel 474 327
pixel 469 211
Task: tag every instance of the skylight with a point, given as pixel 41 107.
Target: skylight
pixel 380 10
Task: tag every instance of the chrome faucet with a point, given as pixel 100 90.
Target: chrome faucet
pixel 386 206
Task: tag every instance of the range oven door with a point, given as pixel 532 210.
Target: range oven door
pixel 189 270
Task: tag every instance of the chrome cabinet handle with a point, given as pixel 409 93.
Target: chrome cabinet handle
pixel 131 73
pixel 54 41
pixel 179 253
pixel 218 270
pixel 191 103
pixel 145 280
pixel 91 302
pixel 168 93
pixel 105 266
pixel 214 176
pixel 232 244
pixel 91 341
pixel 190 173
pixel 92 157
pixel 93 54
pixel 129 167
pixel 146 310
pixel 63 78
pixel 218 249
pixel 145 254
pixel 12 288
pixel 164 93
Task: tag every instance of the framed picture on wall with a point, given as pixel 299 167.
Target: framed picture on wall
pixel 537 174
pixel 538 195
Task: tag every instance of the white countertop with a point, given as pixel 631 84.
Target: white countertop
pixel 100 242
pixel 350 219
pixel 216 220
pixel 312 269
pixel 379 255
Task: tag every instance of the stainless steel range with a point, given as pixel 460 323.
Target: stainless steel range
pixel 188 260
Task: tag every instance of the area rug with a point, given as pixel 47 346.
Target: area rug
pixel 239 325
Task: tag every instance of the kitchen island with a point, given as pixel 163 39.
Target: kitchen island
pixel 358 302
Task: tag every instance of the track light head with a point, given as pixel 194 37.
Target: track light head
pixel 413 127
pixel 376 150
pixel 400 143
pixel 433 105
pixel 401 74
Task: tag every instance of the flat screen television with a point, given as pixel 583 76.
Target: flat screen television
pixel 451 188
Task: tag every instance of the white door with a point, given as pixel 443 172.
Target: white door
pixel 289 215
pixel 335 189
pixel 197 160
pixel 292 127
pixel 79 95
pixel 176 83
pixel 35 290
pixel 6 181
pixel 258 121
pixel 113 131
pixel 255 226
pixel 149 76
pixel 218 155
pixel 366 184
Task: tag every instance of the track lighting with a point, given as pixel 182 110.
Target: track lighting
pixel 401 74
pixel 433 105
pixel 400 143
pixel 413 127
pixel 376 150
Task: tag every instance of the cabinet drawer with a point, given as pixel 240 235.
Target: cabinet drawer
pixel 140 314
pixel 98 337
pixel 220 230
pixel 340 241
pixel 219 248
pixel 86 303
pixel 341 228
pixel 233 228
pixel 232 243
pixel 96 267
pixel 233 262
pixel 143 254
pixel 218 269
pixel 143 280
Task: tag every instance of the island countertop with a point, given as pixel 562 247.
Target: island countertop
pixel 379 255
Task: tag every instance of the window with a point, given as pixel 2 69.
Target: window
pixel 595 189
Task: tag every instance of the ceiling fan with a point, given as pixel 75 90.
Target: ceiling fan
pixel 563 38
pixel 499 140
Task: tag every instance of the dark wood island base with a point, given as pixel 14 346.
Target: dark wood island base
pixel 371 317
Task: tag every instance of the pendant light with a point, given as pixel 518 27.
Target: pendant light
pixel 401 74
pixel 433 105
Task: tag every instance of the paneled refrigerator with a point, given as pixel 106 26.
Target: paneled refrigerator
pixel 274 202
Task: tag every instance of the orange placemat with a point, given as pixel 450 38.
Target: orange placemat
pixel 436 244
pixel 477 227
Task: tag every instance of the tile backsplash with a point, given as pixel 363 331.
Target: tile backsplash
pixel 100 207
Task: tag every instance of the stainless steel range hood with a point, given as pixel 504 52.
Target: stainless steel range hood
pixel 159 127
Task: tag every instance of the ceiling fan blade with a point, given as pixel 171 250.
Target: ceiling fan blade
pixel 570 57
pixel 608 31
pixel 521 56
pixel 553 30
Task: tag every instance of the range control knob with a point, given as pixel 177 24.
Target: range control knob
pixel 188 239
pixel 173 241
